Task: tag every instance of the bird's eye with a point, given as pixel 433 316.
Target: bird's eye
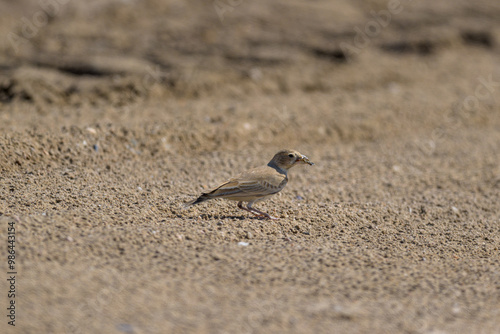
pixel 290 155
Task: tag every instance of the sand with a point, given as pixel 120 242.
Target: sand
pixel 115 113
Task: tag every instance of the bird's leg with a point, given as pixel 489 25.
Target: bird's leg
pixel 240 205
pixel 253 211
pixel 258 212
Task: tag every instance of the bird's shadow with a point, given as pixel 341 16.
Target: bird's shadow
pixel 205 216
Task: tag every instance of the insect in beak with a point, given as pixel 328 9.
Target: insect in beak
pixel 305 160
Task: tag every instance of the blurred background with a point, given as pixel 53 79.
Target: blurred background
pixel 119 51
pixel 97 57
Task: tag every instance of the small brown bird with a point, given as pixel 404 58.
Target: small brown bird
pixel 256 184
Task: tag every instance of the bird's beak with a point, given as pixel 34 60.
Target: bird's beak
pixel 305 160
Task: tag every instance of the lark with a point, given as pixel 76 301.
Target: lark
pixel 256 184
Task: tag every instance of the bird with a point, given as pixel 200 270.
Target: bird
pixel 256 184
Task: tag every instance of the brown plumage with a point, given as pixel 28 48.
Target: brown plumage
pixel 256 184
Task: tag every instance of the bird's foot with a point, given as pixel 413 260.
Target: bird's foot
pixel 254 211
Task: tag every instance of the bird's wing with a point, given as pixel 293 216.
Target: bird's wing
pixel 226 189
pixel 257 182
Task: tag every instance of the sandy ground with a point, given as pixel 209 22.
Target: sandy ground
pixel 114 113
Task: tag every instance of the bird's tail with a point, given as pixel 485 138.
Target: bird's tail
pixel 202 198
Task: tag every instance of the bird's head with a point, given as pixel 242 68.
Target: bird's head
pixel 286 159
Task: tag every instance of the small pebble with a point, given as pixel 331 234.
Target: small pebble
pixel 241 243
pixel 255 74
pixel 125 328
